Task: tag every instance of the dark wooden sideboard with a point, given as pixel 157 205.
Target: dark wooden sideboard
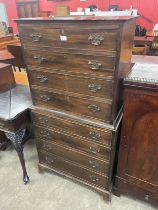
pixel 137 173
pixel 74 65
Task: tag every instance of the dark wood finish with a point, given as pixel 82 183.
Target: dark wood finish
pixel 14 119
pixel 27 9
pixel 137 173
pixel 75 65
pixel 89 40
pixel 143 40
pixel 85 62
pixel 73 142
pixel 79 104
pixel 7 80
pixel 6 57
pixel 76 83
pixel 78 36
pixel 142 45
pixel 61 164
pixel 16 50
pixel 94 133
pixel 100 166
pixel 45 167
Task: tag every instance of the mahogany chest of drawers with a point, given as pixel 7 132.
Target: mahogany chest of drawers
pixel 74 66
pixel 137 173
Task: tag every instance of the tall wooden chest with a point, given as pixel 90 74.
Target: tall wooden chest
pixel 74 67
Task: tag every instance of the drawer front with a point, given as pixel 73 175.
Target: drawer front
pixel 75 104
pixel 71 61
pixel 74 156
pixel 73 142
pixel 71 169
pixel 92 133
pixel 72 83
pixel 69 37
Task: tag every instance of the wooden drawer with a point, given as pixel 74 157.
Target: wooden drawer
pixel 75 156
pixel 79 36
pixel 73 142
pixel 62 165
pixel 72 83
pixel 84 130
pixel 79 104
pixel 74 61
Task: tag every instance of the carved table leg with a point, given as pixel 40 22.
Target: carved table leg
pixel 16 139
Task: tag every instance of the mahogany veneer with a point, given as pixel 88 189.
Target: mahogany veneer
pixel 137 173
pixel 74 65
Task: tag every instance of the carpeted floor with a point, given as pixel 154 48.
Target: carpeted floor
pixel 47 191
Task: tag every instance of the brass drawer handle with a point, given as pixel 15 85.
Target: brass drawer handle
pixel 94 65
pixel 96 39
pixel 45 147
pixel 94 150
pixel 43 121
pixel 45 98
pixel 94 108
pixel 45 133
pixel 36 37
pixel 42 78
pixel 94 87
pixel 50 160
pixel 147 197
pixel 95 136
pixel 94 164
pixel 40 59
pixel 93 178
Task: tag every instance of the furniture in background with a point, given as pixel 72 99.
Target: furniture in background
pixel 16 50
pixel 14 114
pixel 6 57
pixel 27 9
pixel 7 79
pixel 154 46
pixel 74 80
pixel 144 59
pixel 137 172
pixel 142 45
pixel 5 40
pixel 44 13
pixel 61 11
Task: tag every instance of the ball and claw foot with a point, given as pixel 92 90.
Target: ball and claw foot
pixel 26 179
